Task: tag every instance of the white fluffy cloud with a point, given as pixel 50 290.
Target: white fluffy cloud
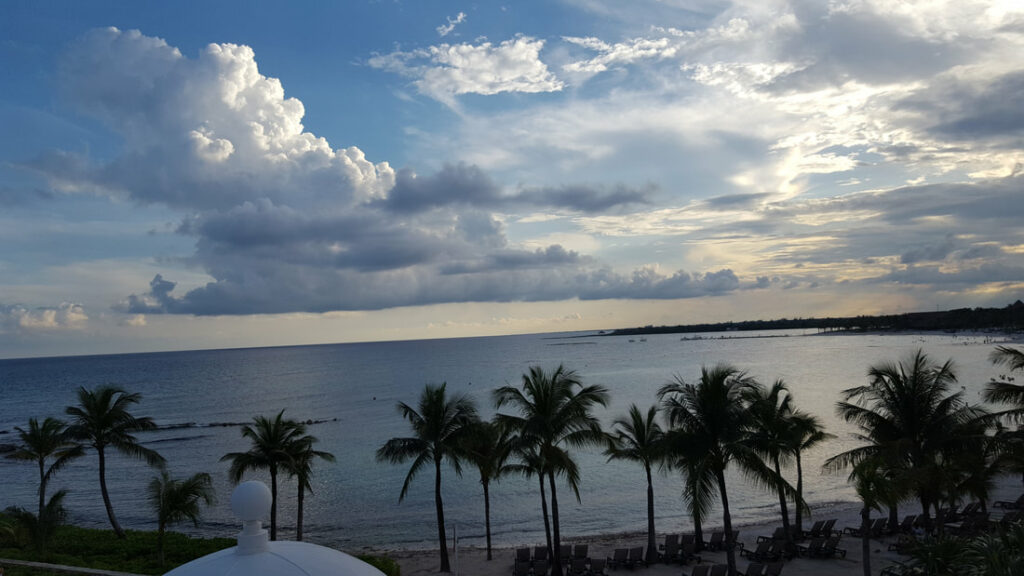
pixel 66 316
pixel 447 70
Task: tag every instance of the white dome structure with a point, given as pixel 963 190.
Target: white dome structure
pixel 255 555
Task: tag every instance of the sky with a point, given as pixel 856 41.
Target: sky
pixel 182 175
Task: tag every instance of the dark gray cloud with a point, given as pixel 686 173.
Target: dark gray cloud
pixel 972 108
pixel 736 201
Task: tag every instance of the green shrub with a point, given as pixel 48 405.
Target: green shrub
pixel 382 563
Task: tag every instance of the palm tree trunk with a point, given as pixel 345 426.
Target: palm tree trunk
pixel 730 552
pixel 487 517
pixel 556 543
pixel 273 502
pixel 798 514
pixel 298 513
pixel 785 510
pixel 544 509
pixel 42 489
pixel 445 566
pixel 698 534
pixel 652 547
pixel 865 540
pixel 894 518
pixel 106 496
pixel 160 544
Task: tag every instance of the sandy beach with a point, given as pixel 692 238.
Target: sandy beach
pixel 472 561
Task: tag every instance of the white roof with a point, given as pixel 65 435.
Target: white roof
pixel 255 555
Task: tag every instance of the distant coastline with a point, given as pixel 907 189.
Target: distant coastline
pixel 1008 319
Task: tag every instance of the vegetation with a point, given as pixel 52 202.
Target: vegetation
pixel 640 439
pixel 273 445
pixel 488 448
pixel 554 416
pixel 440 426
pixel 102 419
pixel 175 500
pixel 41 442
pixel 300 467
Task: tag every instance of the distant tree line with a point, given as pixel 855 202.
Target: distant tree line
pixel 1009 318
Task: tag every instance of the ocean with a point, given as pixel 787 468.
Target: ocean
pixel 349 392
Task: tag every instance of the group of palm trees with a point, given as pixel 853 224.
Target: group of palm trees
pixel 918 439
pixel 102 420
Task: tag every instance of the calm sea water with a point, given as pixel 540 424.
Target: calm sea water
pixel 353 388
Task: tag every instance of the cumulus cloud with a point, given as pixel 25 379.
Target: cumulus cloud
pixel 18 318
pixel 285 222
pixel 448 70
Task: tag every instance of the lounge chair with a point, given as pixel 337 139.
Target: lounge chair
pixel 580 551
pixel 735 540
pixel 520 568
pixel 778 534
pixel 831 548
pixel 688 551
pixel 578 567
pixel 829 528
pixel 719 569
pixel 765 550
pixel 716 541
pixel 907 526
pixel 700 570
pixel 813 549
pixel 565 553
pixel 540 553
pixel 670 552
pixel 670 539
pixel 815 531
pixel 618 558
pixel 596 567
pixel 636 556
pixel 1015 505
pixel 541 567
pixel 755 569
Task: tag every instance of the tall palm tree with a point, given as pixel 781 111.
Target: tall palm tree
pixel 272 448
pixel 911 423
pixel 301 468
pixel 554 415
pixel 531 463
pixel 175 500
pixel 38 529
pixel 709 419
pixel 809 433
pixel 39 443
pixel 439 426
pixel 870 484
pixel 1004 391
pixel 102 419
pixel 640 439
pixel 772 433
pixel 488 448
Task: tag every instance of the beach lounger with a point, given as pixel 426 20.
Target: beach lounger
pixel 636 556
pixel 815 531
pixel 578 567
pixel 1015 505
pixel 522 555
pixel 829 528
pixel 670 552
pixel 831 548
pixel 778 534
pixel 670 539
pixel 755 569
pixel 716 541
pixel 812 549
pixel 565 553
pixel 766 550
pixel 541 567
pixel 540 553
pixel 719 569
pixel 735 540
pixel 700 570
pixel 580 551
pixel 520 568
pixel 596 567
pixel 907 526
pixel 618 558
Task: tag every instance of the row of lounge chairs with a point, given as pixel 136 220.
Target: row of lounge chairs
pixel 575 567
pixel 753 569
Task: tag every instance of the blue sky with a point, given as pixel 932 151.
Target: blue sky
pixel 190 175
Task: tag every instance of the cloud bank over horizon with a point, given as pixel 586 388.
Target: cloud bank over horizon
pixel 843 154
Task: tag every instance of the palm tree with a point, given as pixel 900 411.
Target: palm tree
pixel 42 442
pixel 301 467
pixel 439 427
pixel 175 500
pixel 911 424
pixel 1004 391
pixel 640 439
pixel 532 463
pixel 488 448
pixel 554 415
pixel 772 433
pixel 709 421
pixel 809 433
pixel 40 529
pixel 273 441
pixel 101 419
pixel 870 484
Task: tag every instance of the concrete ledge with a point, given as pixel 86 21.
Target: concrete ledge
pixel 65 569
